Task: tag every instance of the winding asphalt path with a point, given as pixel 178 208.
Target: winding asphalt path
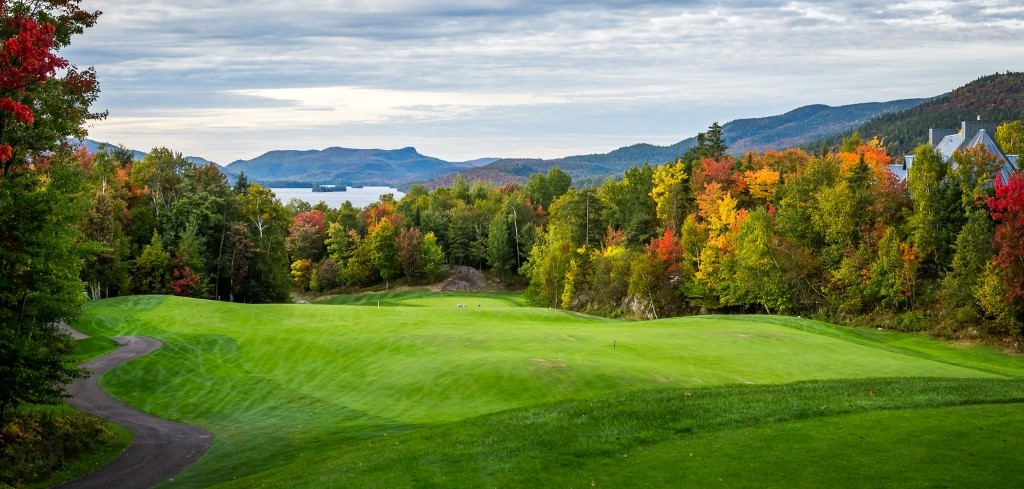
pixel 161 448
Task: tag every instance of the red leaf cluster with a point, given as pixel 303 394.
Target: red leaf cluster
pixel 312 219
pixel 20 110
pixel 185 281
pixel 720 171
pixel 30 56
pixel 668 249
pixel 1007 209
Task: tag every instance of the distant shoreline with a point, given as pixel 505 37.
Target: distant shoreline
pixel 359 196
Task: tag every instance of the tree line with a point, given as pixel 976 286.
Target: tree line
pixel 832 234
pixel 164 225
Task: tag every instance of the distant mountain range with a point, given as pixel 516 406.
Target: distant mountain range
pixel 901 124
pixel 794 128
pixel 346 166
pixel 339 166
pixel 402 167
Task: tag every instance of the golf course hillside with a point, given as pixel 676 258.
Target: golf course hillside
pixel 415 388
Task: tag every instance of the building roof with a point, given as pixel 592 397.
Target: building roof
pixel 982 138
pixel 950 143
pixel 899 170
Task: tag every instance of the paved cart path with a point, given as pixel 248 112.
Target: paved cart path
pixel 161 448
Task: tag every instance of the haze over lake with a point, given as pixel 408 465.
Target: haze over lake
pixel 359 197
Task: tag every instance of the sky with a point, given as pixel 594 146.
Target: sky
pixel 458 80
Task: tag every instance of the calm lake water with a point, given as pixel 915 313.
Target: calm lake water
pixel 359 197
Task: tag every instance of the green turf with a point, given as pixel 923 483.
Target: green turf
pixel 286 386
pixel 94 346
pixel 959 446
pixel 747 436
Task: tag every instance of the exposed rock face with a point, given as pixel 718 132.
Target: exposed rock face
pixel 463 279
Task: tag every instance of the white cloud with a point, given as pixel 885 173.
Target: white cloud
pixel 227 78
pixel 814 12
pixel 335 105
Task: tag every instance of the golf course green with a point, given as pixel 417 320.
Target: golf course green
pixel 410 389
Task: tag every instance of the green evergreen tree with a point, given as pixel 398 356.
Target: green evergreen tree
pixel 710 144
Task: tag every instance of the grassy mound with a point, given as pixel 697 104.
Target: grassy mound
pixel 302 392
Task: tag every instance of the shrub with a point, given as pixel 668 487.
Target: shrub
pixel 35 443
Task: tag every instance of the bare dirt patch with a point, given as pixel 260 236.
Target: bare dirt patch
pixel 463 279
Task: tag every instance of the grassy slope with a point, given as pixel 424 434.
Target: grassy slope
pixel 94 346
pixel 758 436
pixel 285 386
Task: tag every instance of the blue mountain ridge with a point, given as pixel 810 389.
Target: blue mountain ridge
pixel 404 166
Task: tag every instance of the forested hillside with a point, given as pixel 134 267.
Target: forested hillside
pixel 340 166
pixel 796 127
pixel 996 98
pixel 786 231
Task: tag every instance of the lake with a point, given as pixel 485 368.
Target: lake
pixel 359 197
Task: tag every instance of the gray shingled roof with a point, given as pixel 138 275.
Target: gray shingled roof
pixel 949 144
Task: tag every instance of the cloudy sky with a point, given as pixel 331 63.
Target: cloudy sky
pixel 459 79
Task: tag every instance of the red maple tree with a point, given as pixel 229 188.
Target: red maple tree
pixel 26 59
pixel 1007 209
pixel 31 73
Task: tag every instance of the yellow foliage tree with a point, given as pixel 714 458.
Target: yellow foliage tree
pixel 761 183
pixel 669 193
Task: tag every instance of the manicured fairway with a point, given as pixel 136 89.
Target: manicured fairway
pixel 88 348
pixel 286 386
pixel 808 434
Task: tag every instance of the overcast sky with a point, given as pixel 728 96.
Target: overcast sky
pixel 232 79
